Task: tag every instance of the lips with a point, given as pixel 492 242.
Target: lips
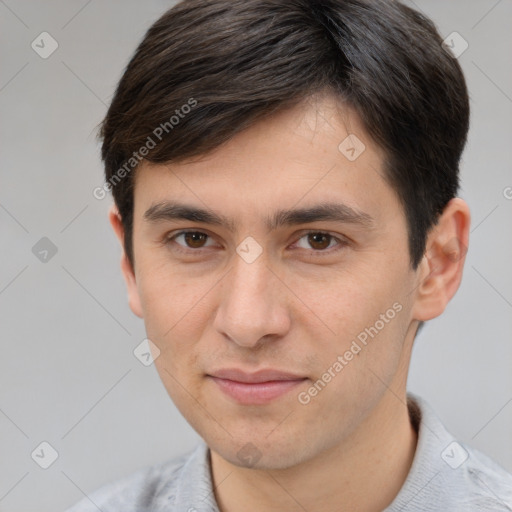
pixel 256 377
pixel 255 388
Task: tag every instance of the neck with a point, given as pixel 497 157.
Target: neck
pixel 365 472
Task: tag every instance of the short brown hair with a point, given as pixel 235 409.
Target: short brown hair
pixel 231 62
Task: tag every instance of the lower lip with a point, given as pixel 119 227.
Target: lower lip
pixel 256 393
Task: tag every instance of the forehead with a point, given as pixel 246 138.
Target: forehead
pixel 316 152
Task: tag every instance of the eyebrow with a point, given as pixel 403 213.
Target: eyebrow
pixel 327 211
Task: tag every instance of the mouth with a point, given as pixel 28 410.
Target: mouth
pixel 255 388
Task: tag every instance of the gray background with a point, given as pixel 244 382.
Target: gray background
pixel 68 375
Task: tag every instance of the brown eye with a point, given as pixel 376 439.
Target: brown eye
pixel 319 241
pixel 189 241
pixel 195 239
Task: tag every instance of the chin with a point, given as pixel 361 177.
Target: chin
pixel 262 454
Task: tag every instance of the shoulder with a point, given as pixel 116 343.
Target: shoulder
pixel 485 484
pixel 137 491
pixel 448 474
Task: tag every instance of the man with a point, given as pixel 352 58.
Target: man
pixel 285 178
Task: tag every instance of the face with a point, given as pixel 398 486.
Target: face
pixel 322 301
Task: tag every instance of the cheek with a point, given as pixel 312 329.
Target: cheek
pixel 169 296
pixel 174 317
pixel 343 303
pixel 354 375
pixel 175 314
pixel 362 318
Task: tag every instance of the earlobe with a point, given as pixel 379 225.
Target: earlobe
pixel 126 267
pixel 440 271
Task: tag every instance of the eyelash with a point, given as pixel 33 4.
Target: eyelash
pixel 171 238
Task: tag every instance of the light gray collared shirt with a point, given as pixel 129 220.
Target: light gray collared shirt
pixel 446 476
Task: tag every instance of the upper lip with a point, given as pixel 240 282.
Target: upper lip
pixel 265 375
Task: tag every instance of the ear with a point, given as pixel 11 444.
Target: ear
pixel 440 271
pixel 126 267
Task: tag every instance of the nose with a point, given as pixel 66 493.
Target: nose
pixel 253 304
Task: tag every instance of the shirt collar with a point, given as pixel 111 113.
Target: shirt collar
pixel 192 491
pixel 430 470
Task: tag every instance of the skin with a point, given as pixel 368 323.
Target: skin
pixel 294 309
